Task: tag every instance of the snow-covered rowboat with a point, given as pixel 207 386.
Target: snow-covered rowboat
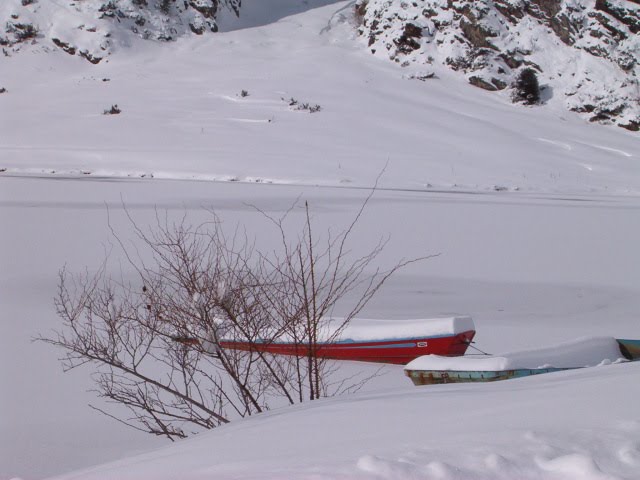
pixel 433 369
pixel 384 341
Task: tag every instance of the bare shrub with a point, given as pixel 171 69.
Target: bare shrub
pixel 294 104
pixel 114 110
pixel 159 343
pixel 22 31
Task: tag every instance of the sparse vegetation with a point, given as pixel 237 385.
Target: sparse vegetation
pixel 165 6
pixel 114 110
pixel 244 93
pixel 360 9
pixel 296 105
pixel 22 31
pixel 162 344
pixel 423 77
pixel 527 89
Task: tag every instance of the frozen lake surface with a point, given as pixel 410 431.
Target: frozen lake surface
pixel 532 270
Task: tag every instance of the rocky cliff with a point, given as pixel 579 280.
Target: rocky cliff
pixel 586 52
pixel 92 28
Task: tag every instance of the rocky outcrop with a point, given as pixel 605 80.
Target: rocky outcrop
pixel 586 52
pixel 88 28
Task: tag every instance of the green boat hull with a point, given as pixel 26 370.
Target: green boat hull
pixel 434 377
pixel 630 349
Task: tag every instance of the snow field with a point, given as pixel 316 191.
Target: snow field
pixel 564 425
pixel 534 214
pixel 195 125
pixel 534 271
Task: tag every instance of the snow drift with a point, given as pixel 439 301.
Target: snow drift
pixel 584 352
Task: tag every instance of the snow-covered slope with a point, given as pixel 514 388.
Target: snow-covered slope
pixel 579 425
pixel 183 115
pixel 586 52
pixel 555 260
pixel 93 29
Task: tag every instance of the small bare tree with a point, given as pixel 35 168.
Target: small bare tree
pixel 179 346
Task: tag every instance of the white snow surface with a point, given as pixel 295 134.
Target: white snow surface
pixel 571 425
pixel 333 329
pixel 360 329
pixel 534 270
pixel 534 214
pixel 183 116
pixel 583 352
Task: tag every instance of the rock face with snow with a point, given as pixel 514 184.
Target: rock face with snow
pixel 585 51
pixel 91 28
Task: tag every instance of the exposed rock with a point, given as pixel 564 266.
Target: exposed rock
pixel 543 9
pixel 480 82
pixel 626 15
pixel 207 8
pixel 563 28
pixel 408 41
pixel 499 84
pixel 477 34
pixel 632 126
pixel 162 20
pixel 64 46
pixel 512 11
pixel 90 57
pixel 490 41
pixel 512 59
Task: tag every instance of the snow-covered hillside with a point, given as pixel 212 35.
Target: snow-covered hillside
pixel 184 115
pixel 574 426
pixel 586 52
pixel 533 210
pixel 93 29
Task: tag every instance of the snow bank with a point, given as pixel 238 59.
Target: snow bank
pixel 584 352
pixel 360 329
pixel 367 329
pixel 576 425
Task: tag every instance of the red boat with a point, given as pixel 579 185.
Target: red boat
pixel 383 341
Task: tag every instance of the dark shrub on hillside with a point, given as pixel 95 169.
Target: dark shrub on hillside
pixel 527 89
pixel 114 110
pixel 22 31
